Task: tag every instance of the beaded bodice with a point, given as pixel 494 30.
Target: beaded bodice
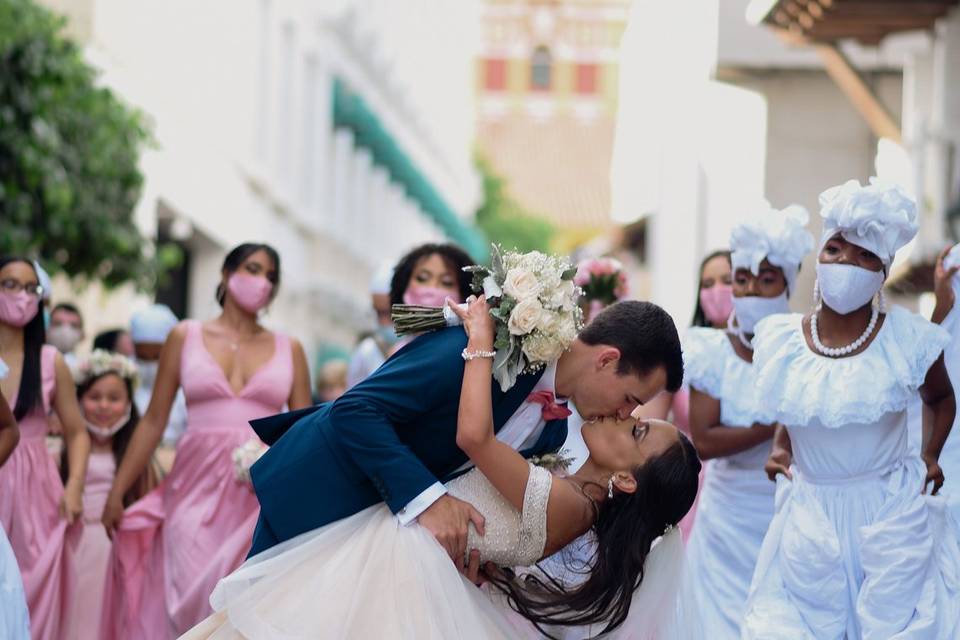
pixel 512 538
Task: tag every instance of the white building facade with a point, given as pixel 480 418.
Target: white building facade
pixel 339 132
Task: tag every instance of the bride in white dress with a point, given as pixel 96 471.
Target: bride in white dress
pixel 859 546
pixel 368 577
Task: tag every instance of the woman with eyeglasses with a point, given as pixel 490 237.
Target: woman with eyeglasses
pixel 35 506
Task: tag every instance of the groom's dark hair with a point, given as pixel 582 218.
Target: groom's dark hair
pixel 645 335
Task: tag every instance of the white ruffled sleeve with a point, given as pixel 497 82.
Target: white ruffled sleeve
pixel 918 344
pixel 703 359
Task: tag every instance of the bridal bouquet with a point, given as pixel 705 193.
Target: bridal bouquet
pixel 534 302
pixel 244 456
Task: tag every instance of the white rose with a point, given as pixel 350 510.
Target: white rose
pixel 521 284
pixel 562 297
pixel 525 317
pixel 540 348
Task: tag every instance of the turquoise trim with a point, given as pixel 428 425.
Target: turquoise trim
pixel 351 112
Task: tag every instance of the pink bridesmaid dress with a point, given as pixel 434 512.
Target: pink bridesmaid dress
pixel 174 545
pixel 30 492
pixel 87 554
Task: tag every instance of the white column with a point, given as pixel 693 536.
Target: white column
pixel 362 172
pixel 944 124
pixel 341 182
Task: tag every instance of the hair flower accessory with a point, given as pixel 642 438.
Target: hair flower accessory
pixel 880 217
pixel 779 236
pixel 533 300
pixel 101 362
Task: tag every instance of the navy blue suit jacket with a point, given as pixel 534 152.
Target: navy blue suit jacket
pixel 386 440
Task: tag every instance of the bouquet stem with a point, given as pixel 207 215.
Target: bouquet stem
pixel 409 319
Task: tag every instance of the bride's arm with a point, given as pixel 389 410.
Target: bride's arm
pixel 506 469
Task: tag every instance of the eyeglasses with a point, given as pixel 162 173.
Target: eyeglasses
pixel 13 286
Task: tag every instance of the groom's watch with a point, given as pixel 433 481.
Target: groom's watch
pixel 473 355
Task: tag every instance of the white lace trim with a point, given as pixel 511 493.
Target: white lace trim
pixel 795 386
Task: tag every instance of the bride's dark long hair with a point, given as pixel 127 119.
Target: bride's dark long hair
pixel 625 529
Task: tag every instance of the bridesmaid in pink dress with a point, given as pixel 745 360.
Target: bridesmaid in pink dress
pixel 105 384
pixel 714 305
pixel 172 547
pixel 35 506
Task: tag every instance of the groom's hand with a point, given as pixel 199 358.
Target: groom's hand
pixel 447 519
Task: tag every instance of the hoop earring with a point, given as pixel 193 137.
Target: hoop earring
pixel 610 487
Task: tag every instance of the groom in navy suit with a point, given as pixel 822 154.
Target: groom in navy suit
pixel 392 438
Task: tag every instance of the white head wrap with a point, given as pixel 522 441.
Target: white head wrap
pixel 780 236
pixel 44 279
pixel 152 325
pixel 880 217
pixel 380 280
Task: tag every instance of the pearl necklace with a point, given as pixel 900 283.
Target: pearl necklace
pixel 837 352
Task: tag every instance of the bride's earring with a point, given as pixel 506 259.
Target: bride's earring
pixel 816 293
pixel 610 487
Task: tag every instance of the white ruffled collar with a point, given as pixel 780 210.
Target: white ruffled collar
pixel 796 386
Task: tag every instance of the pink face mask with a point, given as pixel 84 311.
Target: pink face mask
pixel 428 296
pixel 251 293
pixel 17 309
pixel 717 302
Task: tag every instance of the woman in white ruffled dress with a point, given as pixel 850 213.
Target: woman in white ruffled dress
pixel 736 504
pixel 860 547
pixel 367 577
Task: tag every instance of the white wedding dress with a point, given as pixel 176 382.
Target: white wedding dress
pixel 367 576
pixel 736 504
pixel 14 618
pixel 855 549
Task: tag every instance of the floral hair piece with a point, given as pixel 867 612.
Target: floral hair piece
pixel 780 236
pixel 102 362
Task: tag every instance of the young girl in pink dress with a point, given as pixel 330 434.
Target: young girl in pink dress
pixel 172 547
pixel 105 384
pixel 35 505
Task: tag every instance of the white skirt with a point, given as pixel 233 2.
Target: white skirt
pixel 362 577
pixel 865 557
pixel 14 618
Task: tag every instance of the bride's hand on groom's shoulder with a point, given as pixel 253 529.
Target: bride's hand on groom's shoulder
pixel 477 322
pixel 448 519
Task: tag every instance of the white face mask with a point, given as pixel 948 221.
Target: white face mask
pixel 750 310
pixel 105 433
pixel 148 373
pixel 846 287
pixel 65 337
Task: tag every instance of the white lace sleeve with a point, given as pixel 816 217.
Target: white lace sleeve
pixel 533 520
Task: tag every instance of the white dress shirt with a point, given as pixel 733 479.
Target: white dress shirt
pixel 521 431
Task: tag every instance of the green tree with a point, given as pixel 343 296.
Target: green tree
pixel 504 221
pixel 69 178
